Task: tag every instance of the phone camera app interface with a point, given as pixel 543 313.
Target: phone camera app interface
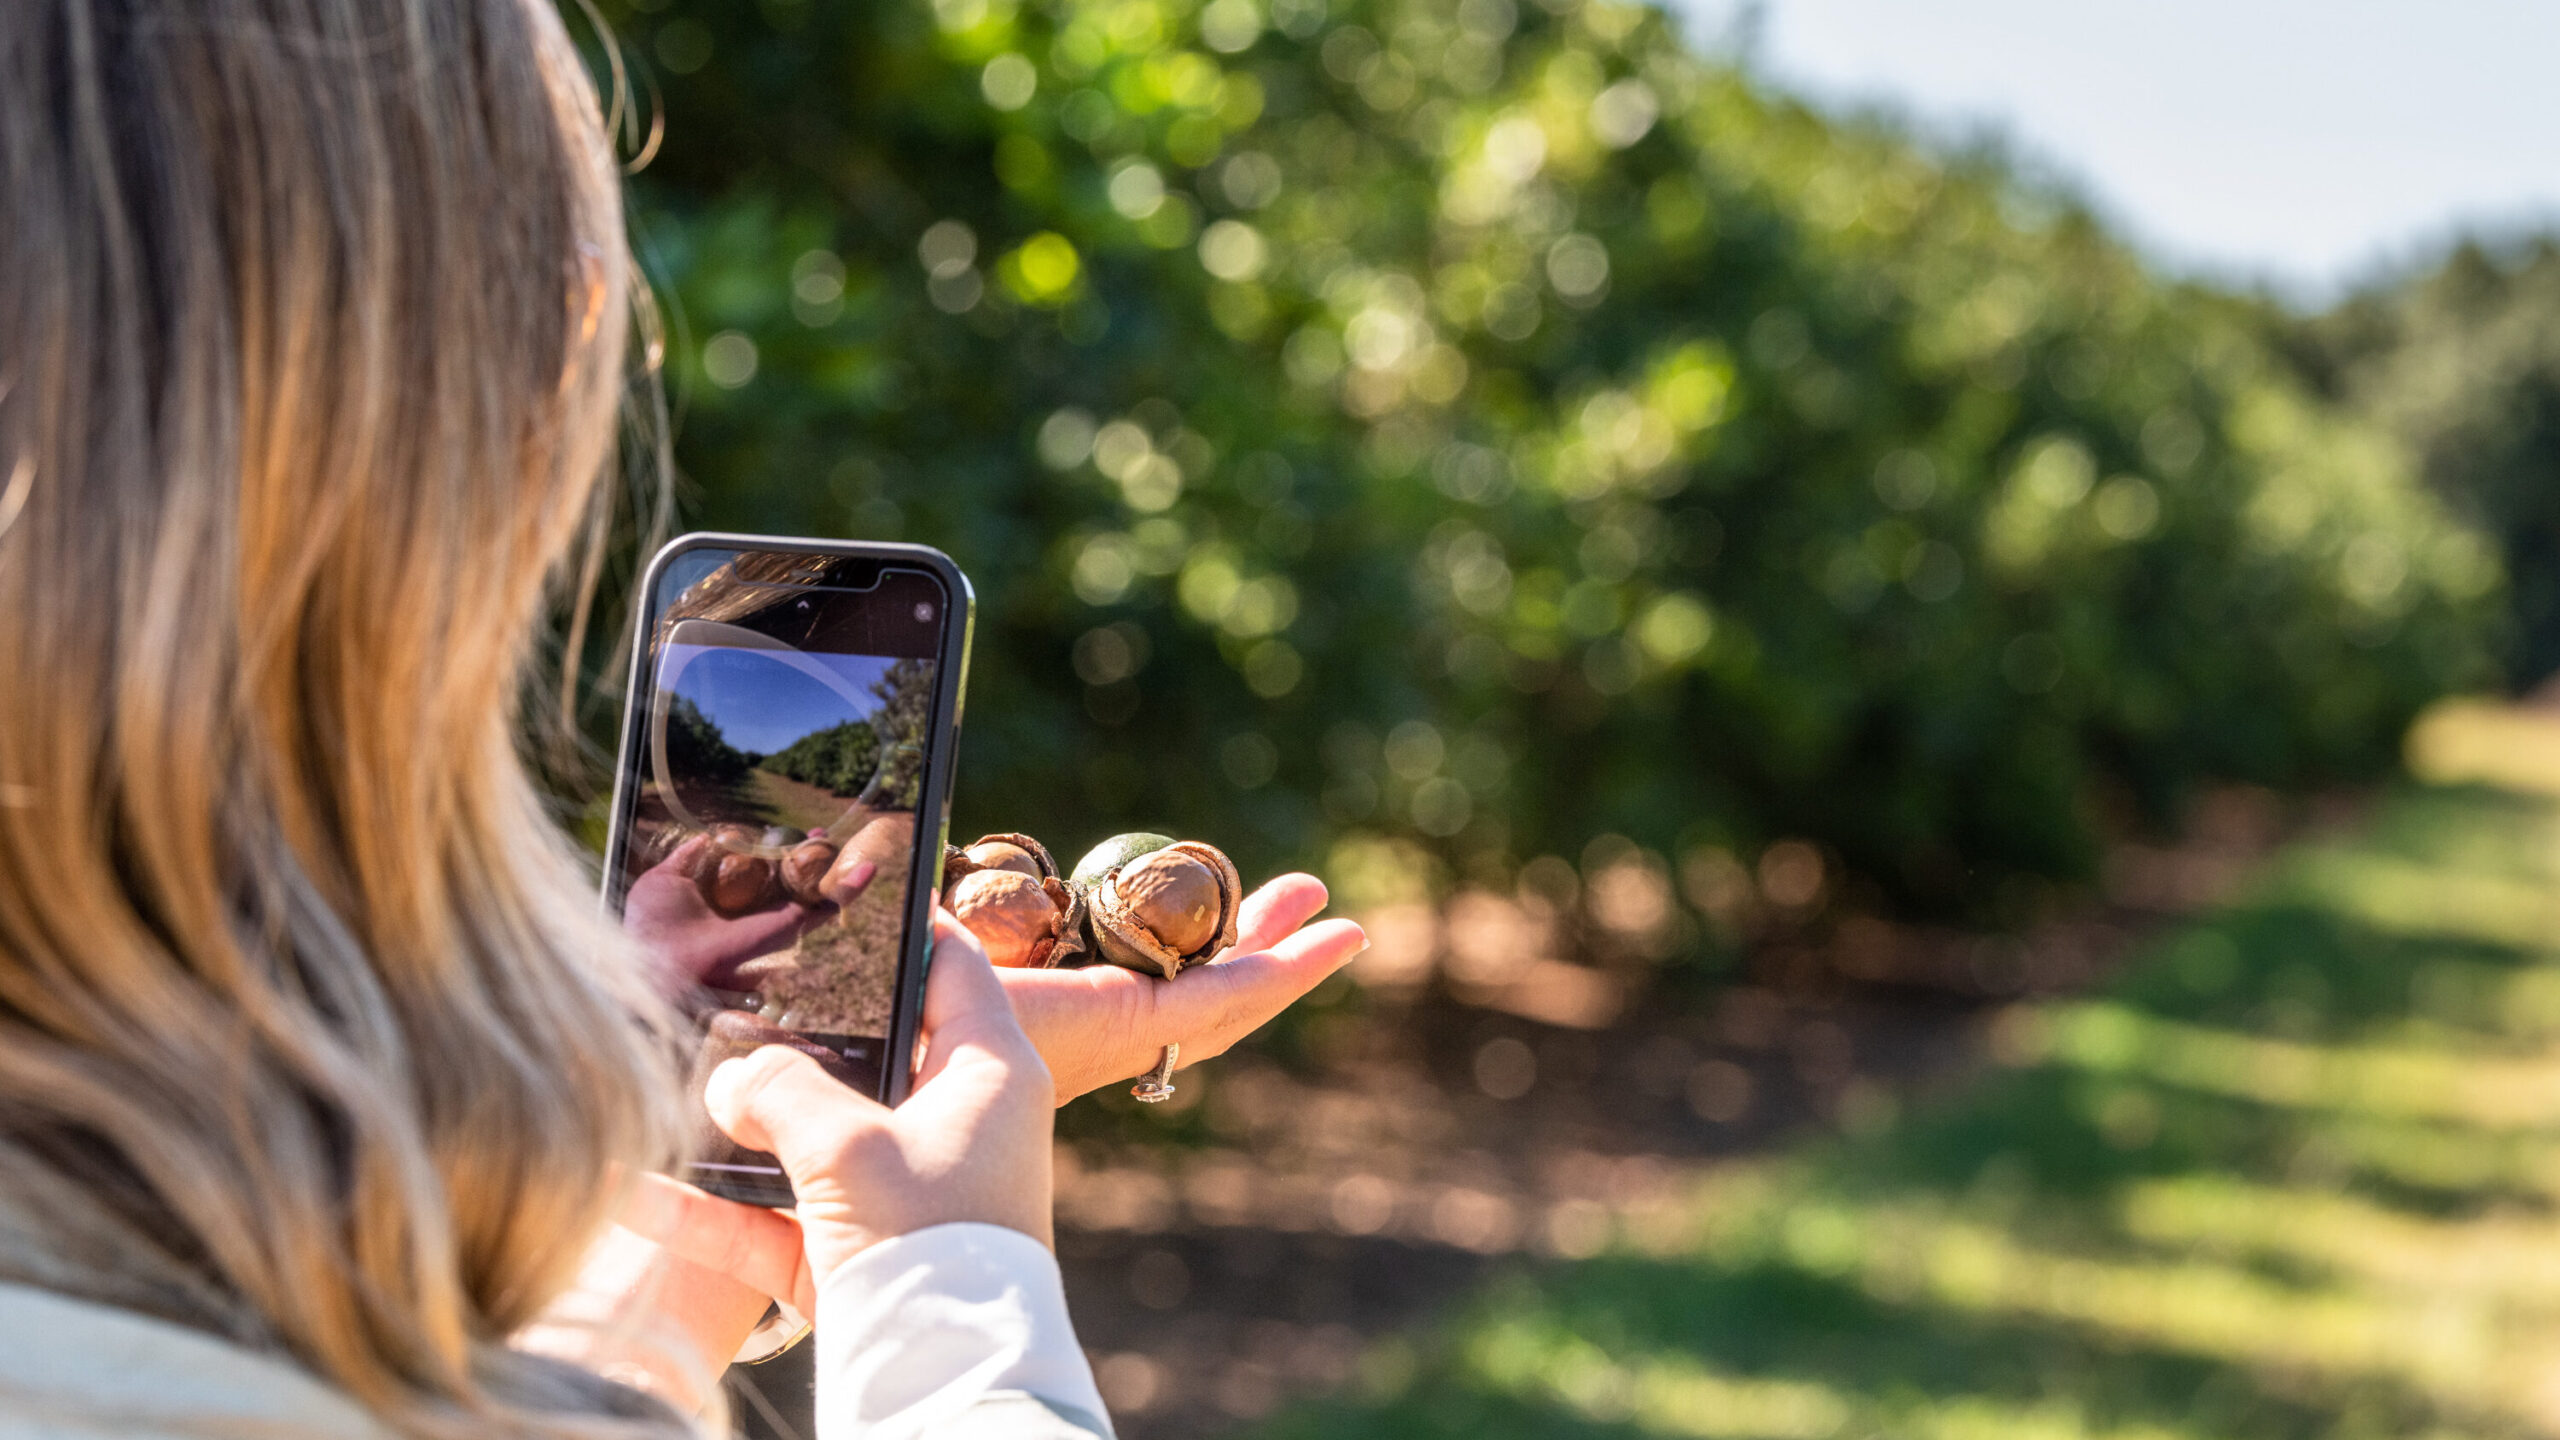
pixel 772 843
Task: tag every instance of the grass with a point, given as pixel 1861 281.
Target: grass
pixel 2296 1173
pixel 795 804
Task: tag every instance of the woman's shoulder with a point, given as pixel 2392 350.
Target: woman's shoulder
pixel 73 1370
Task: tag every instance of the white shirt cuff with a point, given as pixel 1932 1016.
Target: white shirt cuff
pixel 939 1332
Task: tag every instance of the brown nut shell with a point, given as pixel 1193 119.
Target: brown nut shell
pixel 1167 909
pixel 741 884
pixel 1003 850
pixel 1072 947
pixel 698 865
pixel 804 868
pixel 1022 922
pixel 1004 855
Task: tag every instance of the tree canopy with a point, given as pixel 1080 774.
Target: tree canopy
pixel 1458 430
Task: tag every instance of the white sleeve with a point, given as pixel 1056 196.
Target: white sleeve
pixel 952 1333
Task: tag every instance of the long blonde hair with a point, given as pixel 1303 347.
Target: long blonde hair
pixel 312 327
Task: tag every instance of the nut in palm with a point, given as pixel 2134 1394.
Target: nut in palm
pixel 1005 889
pixel 1161 908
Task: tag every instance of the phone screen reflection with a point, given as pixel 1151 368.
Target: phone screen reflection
pixel 772 843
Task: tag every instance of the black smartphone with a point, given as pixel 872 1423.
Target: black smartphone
pixel 782 802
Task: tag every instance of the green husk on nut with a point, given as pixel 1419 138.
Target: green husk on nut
pixel 1113 853
pixel 1158 906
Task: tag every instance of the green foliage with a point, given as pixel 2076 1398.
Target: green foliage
pixel 841 758
pixel 2462 363
pixel 1480 427
pixel 697 749
pixel 875 759
pixel 905 693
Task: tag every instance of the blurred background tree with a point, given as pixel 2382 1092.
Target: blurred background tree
pixel 696 746
pixel 2462 362
pixel 841 758
pixel 1418 436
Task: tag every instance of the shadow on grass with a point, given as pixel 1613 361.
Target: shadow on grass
pixel 2293 1175
pixel 1768 1351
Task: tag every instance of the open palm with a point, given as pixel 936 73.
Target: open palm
pixel 1101 1023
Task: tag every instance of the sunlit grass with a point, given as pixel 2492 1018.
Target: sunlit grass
pixel 2295 1174
pixel 2178 1299
pixel 2395 896
pixel 2507 1254
pixel 2448 1082
pixel 1531 1358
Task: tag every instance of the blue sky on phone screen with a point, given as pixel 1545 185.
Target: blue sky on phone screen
pixel 761 704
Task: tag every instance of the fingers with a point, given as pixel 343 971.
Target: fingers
pixel 680 860
pixel 1085 1022
pixel 1102 1023
pixel 965 1006
pixel 1276 910
pixel 1322 949
pixel 1210 1008
pixel 762 932
pixel 962 984
pixel 758 1248
pixel 780 1100
pixel 845 880
pixel 1099 1023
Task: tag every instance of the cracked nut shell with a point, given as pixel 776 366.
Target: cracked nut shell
pixel 805 869
pixel 1159 908
pixel 741 884
pixel 1004 850
pixel 1022 922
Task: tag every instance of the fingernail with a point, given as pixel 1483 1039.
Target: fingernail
pixel 856 876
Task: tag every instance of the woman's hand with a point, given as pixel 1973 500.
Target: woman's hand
pixel 970 1144
pixel 697 945
pixel 1101 1023
pixel 645 1316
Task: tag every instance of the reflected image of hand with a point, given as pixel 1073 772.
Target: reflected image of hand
pixel 1100 1024
pixel 696 944
pixel 854 869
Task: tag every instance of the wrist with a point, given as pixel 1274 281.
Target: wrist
pixel 889 1251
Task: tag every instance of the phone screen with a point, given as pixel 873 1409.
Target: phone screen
pixel 779 820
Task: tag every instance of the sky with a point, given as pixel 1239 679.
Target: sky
pixel 760 705
pixel 2301 145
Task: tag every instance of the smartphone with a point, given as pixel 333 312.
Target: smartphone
pixel 782 802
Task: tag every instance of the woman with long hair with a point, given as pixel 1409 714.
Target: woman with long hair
pixel 321 1081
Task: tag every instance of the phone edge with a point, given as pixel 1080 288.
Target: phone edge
pixel 959 644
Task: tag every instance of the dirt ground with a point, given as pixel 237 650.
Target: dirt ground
pixel 1457 1120
pixel 847 967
